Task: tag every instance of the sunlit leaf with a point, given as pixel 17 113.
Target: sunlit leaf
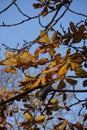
pixel 74 65
pixel 54 101
pixel 52 64
pixel 44 37
pixel 8 54
pixel 55 40
pixel 52 51
pixel 42 49
pixel 3 91
pixel 24 55
pixel 28 116
pixel 10 69
pixel 40 118
pixel 64 123
pixel 43 80
pixel 57 57
pixel 62 71
pixel 36 83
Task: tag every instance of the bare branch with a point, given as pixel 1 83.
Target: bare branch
pixel 38 87
pixel 21 10
pixel 72 11
pixel 5 9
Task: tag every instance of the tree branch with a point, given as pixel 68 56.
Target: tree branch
pixel 5 9
pixel 38 87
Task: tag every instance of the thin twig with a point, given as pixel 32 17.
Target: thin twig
pixel 75 12
pixel 5 9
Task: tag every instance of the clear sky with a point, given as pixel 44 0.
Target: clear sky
pixel 30 30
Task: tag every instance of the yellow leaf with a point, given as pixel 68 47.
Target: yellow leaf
pixel 52 51
pixel 3 91
pixel 53 63
pixel 74 65
pixel 36 83
pixel 44 37
pixel 28 116
pixel 55 40
pixel 40 118
pixel 10 69
pixel 54 101
pixel 9 94
pixel 43 80
pixel 42 49
pixel 57 57
pixel 24 54
pixel 63 70
pixel 64 123
pixel 8 54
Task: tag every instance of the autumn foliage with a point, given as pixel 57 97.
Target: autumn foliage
pixel 47 92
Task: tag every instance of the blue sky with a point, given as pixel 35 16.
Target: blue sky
pixel 30 30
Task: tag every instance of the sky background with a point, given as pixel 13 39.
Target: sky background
pixel 31 29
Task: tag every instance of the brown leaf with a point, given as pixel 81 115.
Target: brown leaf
pixel 73 28
pixel 61 85
pixel 57 57
pixel 43 61
pixel 64 96
pixel 85 83
pixel 44 12
pixel 85 117
pixel 38 5
pixel 79 125
pixel 71 81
